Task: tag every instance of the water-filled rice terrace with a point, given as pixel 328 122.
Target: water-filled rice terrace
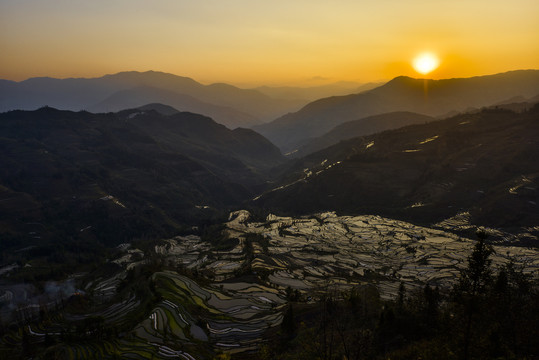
pixel 311 253
pixel 231 317
pixel 226 300
pixel 184 321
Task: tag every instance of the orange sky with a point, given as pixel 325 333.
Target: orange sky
pixel 299 42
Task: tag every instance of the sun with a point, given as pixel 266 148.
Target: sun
pixel 426 62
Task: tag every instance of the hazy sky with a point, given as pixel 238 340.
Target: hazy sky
pixel 254 41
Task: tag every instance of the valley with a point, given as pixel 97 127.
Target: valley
pixel 151 232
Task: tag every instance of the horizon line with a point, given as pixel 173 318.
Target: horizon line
pixel 260 84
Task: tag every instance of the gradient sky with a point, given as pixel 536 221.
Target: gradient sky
pixel 298 42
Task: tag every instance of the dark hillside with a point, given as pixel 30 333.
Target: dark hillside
pixel 485 163
pixel 112 177
pixel 362 127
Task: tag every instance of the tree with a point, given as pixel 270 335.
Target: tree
pixel 432 300
pixel 472 287
pixel 478 275
pixel 288 325
pixel 401 296
pixel 512 308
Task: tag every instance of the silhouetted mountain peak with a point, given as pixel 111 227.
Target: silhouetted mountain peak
pixel 152 78
pixel 160 108
pixel 401 79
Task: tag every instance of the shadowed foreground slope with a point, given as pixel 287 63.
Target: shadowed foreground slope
pixel 116 176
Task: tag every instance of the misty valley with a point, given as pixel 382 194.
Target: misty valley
pixel 148 216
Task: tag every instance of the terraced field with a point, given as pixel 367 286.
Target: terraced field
pixel 344 251
pixel 232 317
pixel 187 318
pixel 231 298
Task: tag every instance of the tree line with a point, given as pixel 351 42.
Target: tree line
pixel 488 314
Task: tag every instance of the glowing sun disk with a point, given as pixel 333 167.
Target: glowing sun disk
pixel 425 63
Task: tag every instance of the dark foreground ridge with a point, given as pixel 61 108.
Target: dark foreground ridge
pixel 115 176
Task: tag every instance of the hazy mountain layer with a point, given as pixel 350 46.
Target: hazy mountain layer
pixel 140 96
pixel 227 104
pixel 312 93
pixel 429 97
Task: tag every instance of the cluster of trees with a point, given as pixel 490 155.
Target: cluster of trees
pixel 488 314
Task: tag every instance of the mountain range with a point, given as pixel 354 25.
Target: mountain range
pixel 484 163
pixel 436 98
pixel 122 175
pixel 158 233
pixel 226 104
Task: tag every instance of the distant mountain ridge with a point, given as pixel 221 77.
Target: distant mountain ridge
pixel 227 104
pixel 160 108
pixel 317 92
pixel 428 97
